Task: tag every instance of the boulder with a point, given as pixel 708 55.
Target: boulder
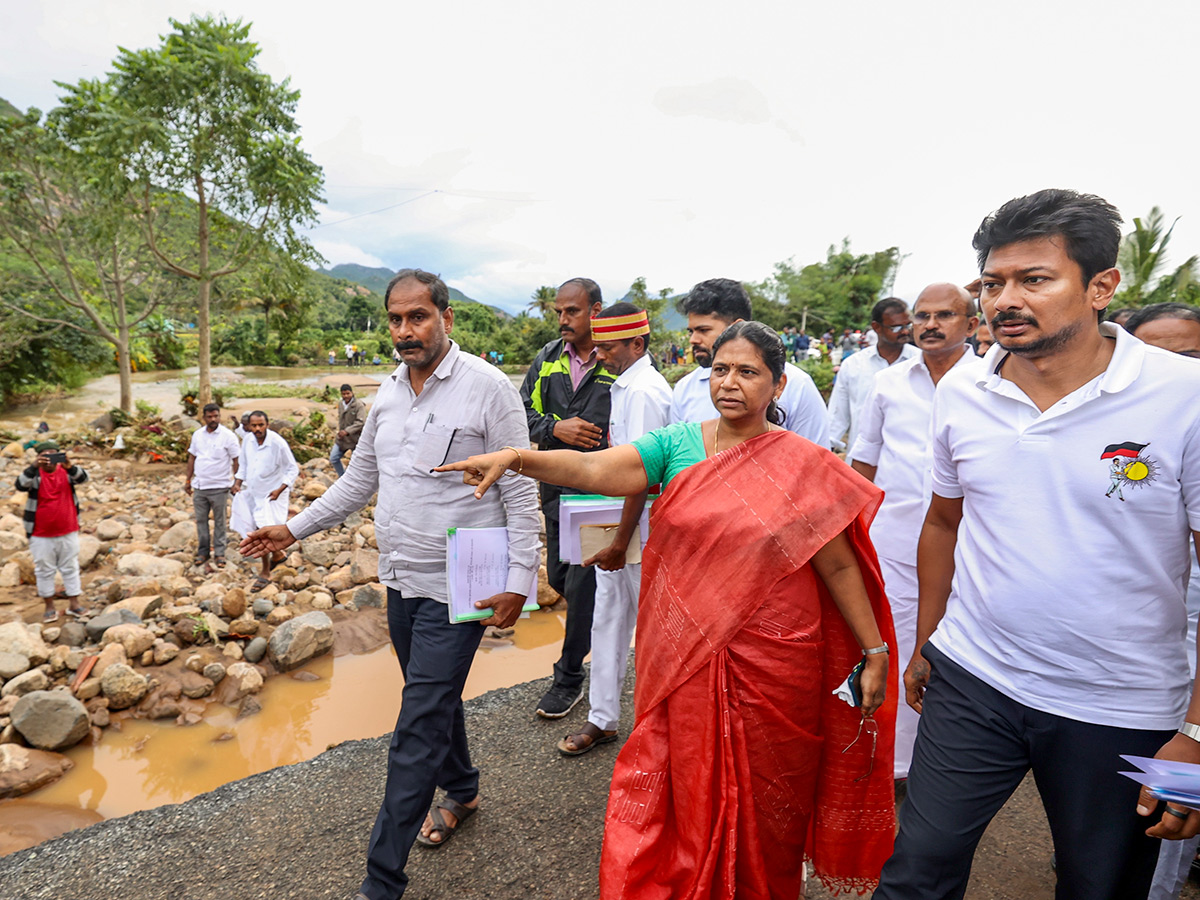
pixel 23 770
pixel 247 679
pixel 112 655
pixel 136 639
pixel 364 566
pixel 122 686
pixel 13 450
pixel 89 689
pixel 213 590
pixel 255 650
pixel 279 615
pixel 246 626
pixel 194 685
pixel 89 549
pixel 164 652
pixel 233 603
pixel 148 564
pixel 217 627
pixel 299 640
pixel 10 575
pixel 341 580
pixel 72 634
pixel 107 619
pixel 110 530
pixel 233 650
pixel 262 606
pixel 51 720
pixel 374 595
pixel 178 537
pixel 312 490
pixel 17 637
pixel 25 683
pixel 144 607
pixel 10 543
pixel 214 672
pixel 12 665
pixel 9 522
pixel 324 601
pixel 319 553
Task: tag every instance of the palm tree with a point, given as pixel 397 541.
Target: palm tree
pixel 542 302
pixel 1142 258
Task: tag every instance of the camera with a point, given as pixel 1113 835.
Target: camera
pixel 57 458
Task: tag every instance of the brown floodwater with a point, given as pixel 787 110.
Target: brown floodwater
pixel 146 764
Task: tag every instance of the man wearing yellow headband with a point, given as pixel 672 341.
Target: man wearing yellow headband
pixel 641 402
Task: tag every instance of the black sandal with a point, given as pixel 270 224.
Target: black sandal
pixel 441 826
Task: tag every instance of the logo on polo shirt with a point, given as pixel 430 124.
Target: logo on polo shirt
pixel 1130 467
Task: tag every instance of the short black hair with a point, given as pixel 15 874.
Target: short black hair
pixel 622 308
pixel 885 306
pixel 592 289
pixel 721 297
pixel 438 292
pixel 1162 311
pixel 259 412
pixel 210 407
pixel 346 387
pixel 1090 227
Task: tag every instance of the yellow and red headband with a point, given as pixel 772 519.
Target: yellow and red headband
pixel 619 328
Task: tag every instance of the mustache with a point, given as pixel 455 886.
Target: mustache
pixel 565 330
pixel 1011 318
pixel 401 346
pixel 928 335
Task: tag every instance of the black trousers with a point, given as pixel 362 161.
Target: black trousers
pixel 578 585
pixel 974 746
pixel 429 745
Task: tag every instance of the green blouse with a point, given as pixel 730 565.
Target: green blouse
pixel 668 451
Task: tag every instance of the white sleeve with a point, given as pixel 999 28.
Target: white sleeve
pixel 646 411
pixel 945 472
pixel 806 413
pixel 349 493
pixel 869 444
pixel 839 410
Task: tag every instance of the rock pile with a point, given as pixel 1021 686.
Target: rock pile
pixel 162 635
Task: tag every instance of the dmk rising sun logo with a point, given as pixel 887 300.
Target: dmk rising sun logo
pixel 1130 467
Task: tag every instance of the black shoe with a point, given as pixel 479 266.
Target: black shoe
pixel 558 701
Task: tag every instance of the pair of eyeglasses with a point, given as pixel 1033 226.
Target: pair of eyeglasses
pixel 896 329
pixel 867 724
pixel 942 315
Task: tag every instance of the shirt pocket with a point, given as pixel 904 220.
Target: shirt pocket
pixel 433 446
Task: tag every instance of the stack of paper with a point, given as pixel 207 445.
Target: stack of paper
pixel 477 569
pixel 1177 782
pixel 587 524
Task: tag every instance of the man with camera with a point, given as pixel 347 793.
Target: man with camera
pixel 52 525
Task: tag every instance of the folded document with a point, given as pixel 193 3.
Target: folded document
pixel 1178 782
pixel 477 569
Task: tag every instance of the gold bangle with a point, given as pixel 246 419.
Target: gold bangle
pixel 520 459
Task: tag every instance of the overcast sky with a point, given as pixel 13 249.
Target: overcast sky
pixel 687 140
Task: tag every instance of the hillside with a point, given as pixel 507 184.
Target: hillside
pixel 376 278
pixel 7 109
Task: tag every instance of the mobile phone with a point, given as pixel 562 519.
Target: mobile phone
pixel 57 458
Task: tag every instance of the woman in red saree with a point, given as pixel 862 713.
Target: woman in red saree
pixel 760 592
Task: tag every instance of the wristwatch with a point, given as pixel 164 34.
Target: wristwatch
pixel 1187 729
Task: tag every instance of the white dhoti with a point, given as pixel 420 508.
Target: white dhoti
pixel 251 511
pixel 263 469
pixel 614 619
pixel 900 584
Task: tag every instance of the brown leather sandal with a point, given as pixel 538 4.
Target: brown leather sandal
pixel 443 828
pixel 584 740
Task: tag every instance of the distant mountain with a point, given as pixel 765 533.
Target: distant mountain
pixel 376 278
pixel 7 109
pixel 672 318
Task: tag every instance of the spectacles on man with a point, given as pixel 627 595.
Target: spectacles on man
pixel 942 315
pixel 898 329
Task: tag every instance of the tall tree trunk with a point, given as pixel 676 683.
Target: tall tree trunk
pixel 125 370
pixel 205 336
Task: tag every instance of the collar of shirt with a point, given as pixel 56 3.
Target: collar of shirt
pixel 442 372
pixel 968 358
pixel 578 365
pixel 1123 369
pixel 626 378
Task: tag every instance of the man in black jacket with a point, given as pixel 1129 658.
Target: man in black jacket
pixel 567 404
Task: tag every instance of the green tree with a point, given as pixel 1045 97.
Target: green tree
pixel 196 118
pixel 93 270
pixel 541 302
pixel 1142 260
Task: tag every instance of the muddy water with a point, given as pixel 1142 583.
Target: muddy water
pixel 148 764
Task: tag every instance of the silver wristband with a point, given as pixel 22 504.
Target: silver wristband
pixel 881 649
pixel 1187 729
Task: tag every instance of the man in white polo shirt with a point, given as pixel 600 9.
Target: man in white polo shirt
pixel 893 451
pixel 212 462
pixel 1054 612
pixel 641 402
pixel 893 328
pixel 711 307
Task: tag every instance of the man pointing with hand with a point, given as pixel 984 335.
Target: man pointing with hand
pixel 567 405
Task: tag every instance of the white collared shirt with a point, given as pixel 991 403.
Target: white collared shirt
pixel 215 452
pixel 850 391
pixel 1070 572
pixel 641 402
pixel 264 467
pixel 466 407
pixel 801 403
pixel 895 437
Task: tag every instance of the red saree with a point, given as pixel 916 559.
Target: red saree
pixel 734 771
